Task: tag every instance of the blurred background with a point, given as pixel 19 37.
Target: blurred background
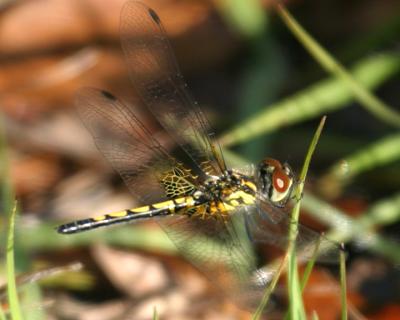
pixel 264 94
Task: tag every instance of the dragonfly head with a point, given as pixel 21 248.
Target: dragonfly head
pixel 275 180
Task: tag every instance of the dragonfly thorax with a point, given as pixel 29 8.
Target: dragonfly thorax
pixel 230 188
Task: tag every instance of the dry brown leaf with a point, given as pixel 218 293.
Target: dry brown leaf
pixel 132 273
pixel 33 174
pixel 65 23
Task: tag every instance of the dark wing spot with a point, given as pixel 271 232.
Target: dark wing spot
pixel 108 95
pixel 154 16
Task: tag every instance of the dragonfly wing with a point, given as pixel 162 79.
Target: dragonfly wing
pixel 130 148
pixel 158 81
pixel 274 231
pixel 214 248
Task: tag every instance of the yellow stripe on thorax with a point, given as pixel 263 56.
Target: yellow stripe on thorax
pixel 240 194
pixel 251 185
pixel 224 206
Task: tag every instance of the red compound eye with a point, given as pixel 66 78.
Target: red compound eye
pixel 280 180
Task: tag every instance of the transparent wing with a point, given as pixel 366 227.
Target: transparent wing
pixel 270 224
pixel 214 247
pixel 158 81
pixel 130 148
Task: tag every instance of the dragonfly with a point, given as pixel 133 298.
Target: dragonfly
pixel 204 206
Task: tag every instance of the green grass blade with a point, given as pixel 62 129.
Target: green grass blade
pixel 343 283
pixel 381 213
pixel 247 16
pixel 310 265
pixel 10 209
pixel 323 97
pixel 7 193
pixel 362 229
pixel 304 170
pixel 155 315
pixel 268 291
pixel 377 154
pixel 33 304
pixel 367 99
pixel 2 314
pixel 13 299
pixel 309 268
pixel 5 196
pixel 314 316
pixel 296 308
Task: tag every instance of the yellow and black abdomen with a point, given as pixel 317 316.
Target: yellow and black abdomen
pixel 141 213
